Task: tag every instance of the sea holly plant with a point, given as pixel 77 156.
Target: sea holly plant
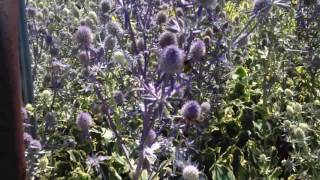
pixel 173 89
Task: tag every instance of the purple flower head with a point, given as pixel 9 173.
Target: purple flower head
pixel 35 145
pixel 167 38
pixel 205 107
pixel 109 43
pixel 161 17
pixel 118 97
pixel 31 12
pixel 114 28
pixel 191 111
pixel 27 138
pixel 171 59
pixel 197 50
pixel 84 121
pixel 84 36
pixel 105 6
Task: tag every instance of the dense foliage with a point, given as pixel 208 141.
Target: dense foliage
pixel 174 89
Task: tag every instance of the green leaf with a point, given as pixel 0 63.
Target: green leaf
pixel 221 172
pixel 144 175
pixel 113 174
pixel 241 72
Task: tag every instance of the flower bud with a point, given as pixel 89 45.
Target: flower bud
pixel 190 172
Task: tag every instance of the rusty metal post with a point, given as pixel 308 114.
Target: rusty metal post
pixel 12 163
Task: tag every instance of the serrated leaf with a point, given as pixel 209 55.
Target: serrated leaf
pixel 221 172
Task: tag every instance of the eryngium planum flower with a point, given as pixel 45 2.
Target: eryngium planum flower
pixel 118 97
pixel 84 120
pixel 27 138
pixel 167 38
pixel 197 50
pixel 171 59
pixel 205 107
pixel 35 145
pixel 83 36
pixel 190 172
pixel 105 6
pixel 114 28
pixel 162 17
pixel 191 111
pixel 109 43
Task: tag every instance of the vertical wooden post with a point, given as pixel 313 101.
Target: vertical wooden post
pixel 12 163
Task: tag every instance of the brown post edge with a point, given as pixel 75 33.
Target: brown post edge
pixel 12 160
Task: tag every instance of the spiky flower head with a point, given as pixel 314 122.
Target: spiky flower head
pixel 35 145
pixel 162 17
pixel 119 57
pixel 287 124
pixel 114 28
pixel 190 172
pixel 118 97
pixel 290 110
pixel 27 138
pixel 197 50
pixel 171 59
pixel 109 42
pixel 167 38
pixel 84 36
pixel 31 12
pixel 93 16
pixel 205 107
pixel 84 120
pixel 105 6
pixel 299 134
pixel 151 137
pixel 297 107
pixel 84 58
pixel 304 126
pixel 263 158
pixel 191 111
